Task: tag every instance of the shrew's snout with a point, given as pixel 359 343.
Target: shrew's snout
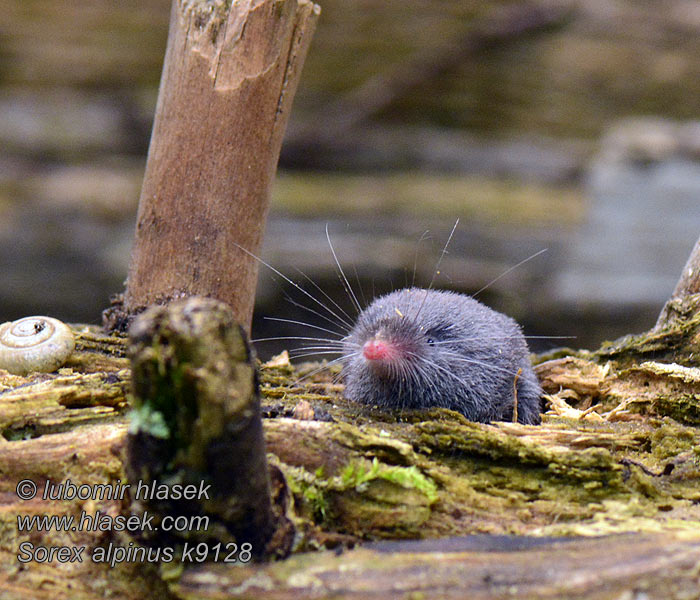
pixel 378 349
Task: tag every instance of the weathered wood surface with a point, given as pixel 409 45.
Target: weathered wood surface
pixel 478 568
pixel 612 462
pixel 229 77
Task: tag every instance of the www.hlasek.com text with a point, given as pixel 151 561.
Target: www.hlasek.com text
pixel 100 521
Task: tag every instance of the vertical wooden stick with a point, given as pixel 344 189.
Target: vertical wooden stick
pixel 230 73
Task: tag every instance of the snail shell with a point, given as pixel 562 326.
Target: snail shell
pixel 34 344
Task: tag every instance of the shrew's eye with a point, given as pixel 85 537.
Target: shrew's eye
pixel 436 335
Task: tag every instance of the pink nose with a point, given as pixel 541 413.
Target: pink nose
pixel 375 349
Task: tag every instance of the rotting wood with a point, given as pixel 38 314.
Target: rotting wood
pixel 196 422
pixel 92 384
pixel 357 474
pixel 229 77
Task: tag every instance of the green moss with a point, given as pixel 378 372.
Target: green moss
pixel 672 439
pixel 318 502
pixel 357 475
pixel 676 342
pixel 167 407
pixel 365 498
pixel 309 491
pixel 147 420
pixel 475 439
pixel 682 407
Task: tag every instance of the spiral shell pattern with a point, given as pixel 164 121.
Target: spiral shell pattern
pixel 35 344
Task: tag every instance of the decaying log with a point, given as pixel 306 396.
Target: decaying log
pixel 653 374
pixel 230 74
pixel 357 474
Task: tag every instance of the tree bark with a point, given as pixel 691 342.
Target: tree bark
pixel 229 77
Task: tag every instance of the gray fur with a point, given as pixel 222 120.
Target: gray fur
pixel 441 373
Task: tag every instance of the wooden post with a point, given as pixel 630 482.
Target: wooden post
pixel 229 77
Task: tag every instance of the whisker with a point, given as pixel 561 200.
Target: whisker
pixel 474 361
pixel 314 353
pixel 342 277
pixel 505 337
pixel 344 325
pixel 522 262
pixel 303 348
pixel 550 337
pixel 315 349
pixel 348 323
pixel 288 280
pixel 436 271
pixel 302 323
pixel 359 285
pixel 423 236
pixel 296 337
pixel 439 367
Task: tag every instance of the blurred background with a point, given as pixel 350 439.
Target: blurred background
pixel 572 126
